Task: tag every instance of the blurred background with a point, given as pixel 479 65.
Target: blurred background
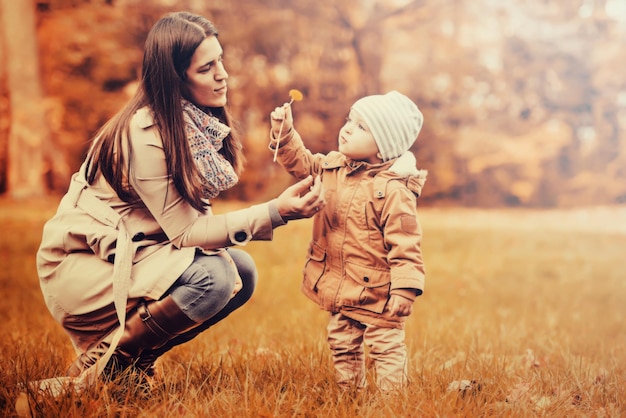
pixel 524 101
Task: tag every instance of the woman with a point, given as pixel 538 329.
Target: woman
pixel 134 241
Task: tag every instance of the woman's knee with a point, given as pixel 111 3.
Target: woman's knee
pixel 217 274
pixel 247 270
pixel 207 284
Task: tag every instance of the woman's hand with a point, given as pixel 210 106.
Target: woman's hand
pixel 302 200
pixel 281 116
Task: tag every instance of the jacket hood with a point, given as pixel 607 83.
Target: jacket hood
pixel 405 167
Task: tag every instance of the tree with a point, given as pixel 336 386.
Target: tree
pixel 4 117
pixel 28 131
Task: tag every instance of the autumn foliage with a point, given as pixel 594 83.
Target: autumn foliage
pixel 523 102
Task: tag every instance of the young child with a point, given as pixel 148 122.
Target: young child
pixel 364 263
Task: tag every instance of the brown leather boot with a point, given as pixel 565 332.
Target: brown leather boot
pixel 149 327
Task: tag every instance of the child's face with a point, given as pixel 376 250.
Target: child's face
pixel 356 141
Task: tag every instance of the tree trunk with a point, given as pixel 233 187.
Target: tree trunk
pixel 28 129
pixel 4 116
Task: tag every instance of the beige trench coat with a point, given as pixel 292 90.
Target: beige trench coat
pixel 78 250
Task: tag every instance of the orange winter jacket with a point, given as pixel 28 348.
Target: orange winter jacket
pixel 366 241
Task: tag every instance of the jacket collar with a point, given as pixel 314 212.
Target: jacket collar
pixel 403 168
pixel 335 159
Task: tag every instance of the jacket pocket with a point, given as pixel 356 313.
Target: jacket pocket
pixel 74 231
pixel 314 266
pixel 366 288
pixel 86 233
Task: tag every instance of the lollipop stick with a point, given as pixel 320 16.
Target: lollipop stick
pixel 280 131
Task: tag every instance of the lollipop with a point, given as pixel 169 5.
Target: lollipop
pixel 296 96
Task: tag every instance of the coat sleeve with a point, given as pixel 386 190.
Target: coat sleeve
pixel 403 237
pixel 184 225
pixel 295 157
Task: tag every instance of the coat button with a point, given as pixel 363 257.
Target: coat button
pixel 138 236
pixel 241 236
pixel 366 279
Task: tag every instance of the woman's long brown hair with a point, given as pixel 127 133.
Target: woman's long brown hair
pixel 169 48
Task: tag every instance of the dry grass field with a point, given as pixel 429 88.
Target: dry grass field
pixel 523 316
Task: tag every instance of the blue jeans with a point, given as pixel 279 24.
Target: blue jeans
pixel 206 287
pixel 203 292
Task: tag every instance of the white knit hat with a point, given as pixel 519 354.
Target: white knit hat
pixel 394 120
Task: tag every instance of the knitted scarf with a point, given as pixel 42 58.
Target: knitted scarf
pixel 206 134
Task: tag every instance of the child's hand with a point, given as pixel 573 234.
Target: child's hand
pixel 400 306
pixel 282 120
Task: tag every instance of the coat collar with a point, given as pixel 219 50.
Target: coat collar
pixel 144 117
pixel 403 168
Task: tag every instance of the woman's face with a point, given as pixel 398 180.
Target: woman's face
pixel 206 76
